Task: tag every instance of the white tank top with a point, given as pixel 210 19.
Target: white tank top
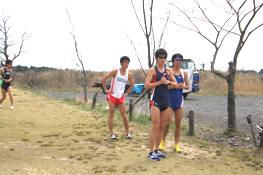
pixel 118 84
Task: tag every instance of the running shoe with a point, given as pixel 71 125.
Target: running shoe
pixel 0 106
pixel 161 145
pixel 128 136
pixel 177 149
pixel 113 137
pixel 153 156
pixel 159 154
pixel 12 107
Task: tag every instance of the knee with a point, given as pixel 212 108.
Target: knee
pixel 111 115
pixel 162 125
pixel 155 127
pixel 168 123
pixel 178 124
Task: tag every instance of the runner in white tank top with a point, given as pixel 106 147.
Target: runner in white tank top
pixel 116 93
pixel 118 84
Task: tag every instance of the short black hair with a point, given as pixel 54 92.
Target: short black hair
pixel 124 58
pixel 8 62
pixel 177 55
pixel 160 52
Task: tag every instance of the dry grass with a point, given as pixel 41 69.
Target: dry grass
pixel 47 136
pixel 248 83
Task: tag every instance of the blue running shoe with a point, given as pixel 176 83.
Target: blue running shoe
pixel 152 156
pixel 159 154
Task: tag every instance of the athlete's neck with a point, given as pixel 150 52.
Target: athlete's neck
pixel 123 70
pixel 7 69
pixel 160 67
pixel 176 71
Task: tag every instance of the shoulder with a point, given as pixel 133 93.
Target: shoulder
pixel 169 70
pixel 151 70
pixel 114 71
pixel 129 73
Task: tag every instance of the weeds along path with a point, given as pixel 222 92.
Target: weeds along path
pixel 44 135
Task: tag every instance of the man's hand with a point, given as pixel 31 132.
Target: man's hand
pixel 110 91
pixel 164 80
pixel 181 85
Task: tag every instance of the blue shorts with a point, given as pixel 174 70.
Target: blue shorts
pixel 175 105
pixel 161 106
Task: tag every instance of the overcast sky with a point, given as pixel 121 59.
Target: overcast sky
pixel 101 28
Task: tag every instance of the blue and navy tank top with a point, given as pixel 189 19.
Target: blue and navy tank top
pixel 7 74
pixel 176 94
pixel 160 93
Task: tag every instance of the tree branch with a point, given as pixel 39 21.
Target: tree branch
pixel 136 55
pixel 138 18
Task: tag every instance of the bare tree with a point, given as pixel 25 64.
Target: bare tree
pixel 150 39
pixel 5 43
pixel 240 15
pixel 79 57
pixel 148 32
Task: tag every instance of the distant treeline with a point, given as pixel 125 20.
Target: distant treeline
pixel 22 69
pixel 33 68
pixel 247 82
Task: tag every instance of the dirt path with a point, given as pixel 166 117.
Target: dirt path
pixel 46 136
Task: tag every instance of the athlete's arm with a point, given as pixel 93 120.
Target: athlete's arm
pixel 172 84
pixel 112 74
pixel 131 83
pixel 149 78
pixel 1 73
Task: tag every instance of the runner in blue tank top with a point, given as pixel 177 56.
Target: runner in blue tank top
pixel 158 80
pixel 176 100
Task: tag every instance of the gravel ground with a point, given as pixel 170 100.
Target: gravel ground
pixel 211 110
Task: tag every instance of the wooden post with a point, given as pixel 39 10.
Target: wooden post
pixel 261 139
pixel 260 129
pixel 252 130
pixel 139 98
pixel 131 107
pixel 191 123
pixel 94 100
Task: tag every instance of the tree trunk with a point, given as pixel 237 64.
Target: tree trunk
pixel 231 104
pixel 85 86
pixel 149 51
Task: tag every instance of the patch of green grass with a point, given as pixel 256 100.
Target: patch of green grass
pixel 218 153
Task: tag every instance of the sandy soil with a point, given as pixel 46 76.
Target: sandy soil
pixel 46 136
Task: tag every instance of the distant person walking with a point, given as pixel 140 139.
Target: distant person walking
pixel 176 101
pixel 158 79
pixel 116 93
pixel 6 77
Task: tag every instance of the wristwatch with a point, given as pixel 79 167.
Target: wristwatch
pixel 126 94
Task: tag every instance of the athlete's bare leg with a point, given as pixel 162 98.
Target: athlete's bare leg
pixel 3 95
pixel 155 115
pixel 111 115
pixel 163 119
pixel 9 90
pixel 122 109
pixel 177 121
pixel 168 123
